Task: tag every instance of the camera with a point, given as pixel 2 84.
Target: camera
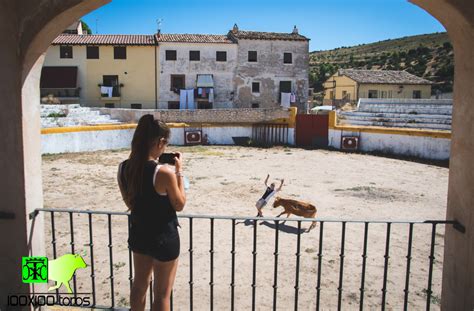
pixel 168 158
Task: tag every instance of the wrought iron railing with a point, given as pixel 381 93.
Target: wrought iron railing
pixel 279 227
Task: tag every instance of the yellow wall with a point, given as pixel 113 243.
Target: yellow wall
pixel 344 83
pixel 136 73
pixel 405 92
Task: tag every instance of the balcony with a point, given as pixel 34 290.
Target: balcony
pixel 294 269
pixel 63 94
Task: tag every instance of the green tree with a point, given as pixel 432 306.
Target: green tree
pixel 86 27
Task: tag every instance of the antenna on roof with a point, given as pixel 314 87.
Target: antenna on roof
pixel 158 24
pixel 96 26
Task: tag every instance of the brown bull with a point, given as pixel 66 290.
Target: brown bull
pixel 297 208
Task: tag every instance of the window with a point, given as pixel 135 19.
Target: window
pixel 252 56
pixel 344 94
pixel 373 94
pixel 177 82
pixel 113 82
pixel 383 94
pixel 416 94
pixel 221 56
pixel 109 105
pixel 92 52
pixel 120 52
pixel 173 105
pixel 204 105
pixel 65 51
pixel 255 87
pixel 194 55
pixel 331 94
pixel 285 87
pixel 136 106
pixel 287 58
pixel 255 105
pixel 170 55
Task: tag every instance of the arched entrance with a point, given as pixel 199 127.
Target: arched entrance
pixel 28 26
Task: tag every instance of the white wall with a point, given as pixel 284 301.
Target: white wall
pixel 406 145
pixel 118 139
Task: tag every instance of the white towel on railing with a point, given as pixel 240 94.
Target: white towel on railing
pixel 211 95
pixel 104 90
pixel 285 100
pixel 190 94
pixel 183 99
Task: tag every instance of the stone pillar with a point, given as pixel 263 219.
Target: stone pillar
pixel 458 269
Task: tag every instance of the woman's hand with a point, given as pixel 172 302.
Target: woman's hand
pixel 178 162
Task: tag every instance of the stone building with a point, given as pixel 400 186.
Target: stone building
pixel 268 64
pixel 242 69
pixel 196 62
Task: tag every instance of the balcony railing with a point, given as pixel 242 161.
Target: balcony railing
pixel 330 238
pixel 61 92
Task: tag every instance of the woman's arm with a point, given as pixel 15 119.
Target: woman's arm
pixel 174 185
pixel 266 180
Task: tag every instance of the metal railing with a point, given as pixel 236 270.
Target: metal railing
pixel 275 224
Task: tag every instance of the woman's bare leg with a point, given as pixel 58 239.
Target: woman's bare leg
pixel 143 266
pixel 164 275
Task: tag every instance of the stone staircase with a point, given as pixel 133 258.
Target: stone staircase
pixel 72 115
pixel 433 114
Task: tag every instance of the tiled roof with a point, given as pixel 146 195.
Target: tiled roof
pixel 382 76
pixel 258 35
pixel 192 38
pixel 68 39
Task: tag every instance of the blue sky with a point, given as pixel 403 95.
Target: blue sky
pixel 328 23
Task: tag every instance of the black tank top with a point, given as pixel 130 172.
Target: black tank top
pixel 151 213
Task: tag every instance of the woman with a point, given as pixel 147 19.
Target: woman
pixel 153 194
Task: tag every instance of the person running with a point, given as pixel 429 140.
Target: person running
pixel 269 192
pixel 153 193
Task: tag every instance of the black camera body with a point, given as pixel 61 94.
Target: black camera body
pixel 168 158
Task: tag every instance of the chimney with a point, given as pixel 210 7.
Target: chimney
pixel 295 30
pixel 235 29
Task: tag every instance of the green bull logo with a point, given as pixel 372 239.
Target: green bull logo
pixel 60 270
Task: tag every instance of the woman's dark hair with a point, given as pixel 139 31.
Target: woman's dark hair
pixel 148 132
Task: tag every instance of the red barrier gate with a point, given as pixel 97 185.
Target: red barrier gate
pixel 312 130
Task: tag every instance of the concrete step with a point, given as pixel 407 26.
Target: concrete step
pixel 75 116
pixel 407 110
pixel 394 115
pixel 396 119
pixel 397 124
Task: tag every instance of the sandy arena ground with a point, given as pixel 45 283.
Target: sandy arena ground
pixel 227 181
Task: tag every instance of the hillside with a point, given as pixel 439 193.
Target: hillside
pixel 429 56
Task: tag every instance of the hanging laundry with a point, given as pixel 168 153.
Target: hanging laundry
pixel 183 99
pixel 293 98
pixel 190 98
pixel 285 100
pixel 104 90
pixel 211 95
pixel 204 95
pixel 200 91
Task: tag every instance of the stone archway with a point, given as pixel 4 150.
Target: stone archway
pixel 28 26
pixel 457 16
